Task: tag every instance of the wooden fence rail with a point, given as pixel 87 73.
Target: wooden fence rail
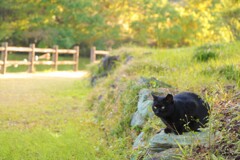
pixel 95 52
pixel 31 62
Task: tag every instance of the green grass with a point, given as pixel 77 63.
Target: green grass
pixel 44 144
pixel 46 118
pixel 207 52
pixel 50 119
pixel 176 67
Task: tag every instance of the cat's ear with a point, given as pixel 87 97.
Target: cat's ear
pixel 154 96
pixel 169 98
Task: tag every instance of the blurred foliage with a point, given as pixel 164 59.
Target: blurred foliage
pixel 230 16
pixel 108 24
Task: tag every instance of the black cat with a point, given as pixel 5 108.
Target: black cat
pixel 182 113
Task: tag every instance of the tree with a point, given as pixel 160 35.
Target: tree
pixel 105 23
pixel 230 15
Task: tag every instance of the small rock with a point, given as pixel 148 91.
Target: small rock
pixel 128 59
pixel 144 108
pixel 137 120
pixel 237 96
pixel 145 103
pixel 169 154
pixel 139 141
pixel 109 62
pixel 165 141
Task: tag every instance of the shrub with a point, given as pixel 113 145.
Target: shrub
pixel 207 52
pixel 230 72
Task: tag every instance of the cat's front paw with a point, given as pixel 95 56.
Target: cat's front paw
pixel 167 130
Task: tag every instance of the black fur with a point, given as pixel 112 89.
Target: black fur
pixel 182 113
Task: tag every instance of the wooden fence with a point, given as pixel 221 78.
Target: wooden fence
pixel 95 52
pixel 5 49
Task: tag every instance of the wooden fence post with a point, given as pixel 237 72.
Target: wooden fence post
pixel 76 58
pixel 55 58
pixel 4 57
pixel 32 58
pixel 93 54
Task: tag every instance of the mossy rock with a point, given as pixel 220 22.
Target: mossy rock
pixel 169 154
pixel 166 141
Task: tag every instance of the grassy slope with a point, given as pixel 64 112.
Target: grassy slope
pixel 48 121
pixel 115 105
pixel 46 118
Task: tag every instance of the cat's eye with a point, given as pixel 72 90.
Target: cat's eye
pixel 155 107
pixel 163 107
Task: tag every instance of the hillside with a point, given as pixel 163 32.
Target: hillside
pixel 211 71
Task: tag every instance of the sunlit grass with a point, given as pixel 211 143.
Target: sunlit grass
pixel 45 144
pixel 48 119
pixel 176 67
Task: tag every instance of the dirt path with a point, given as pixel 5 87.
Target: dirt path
pixel 26 98
pixel 37 75
pixel 25 88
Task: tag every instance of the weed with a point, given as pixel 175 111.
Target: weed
pixel 177 68
pixel 207 52
pixel 230 72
